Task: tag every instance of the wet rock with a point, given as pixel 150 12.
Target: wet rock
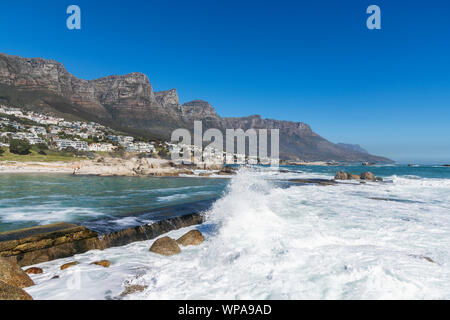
pixel 341 175
pixel 9 292
pixel 204 174
pixel 379 179
pixel 320 182
pixel 429 259
pixel 34 271
pixel 68 265
pixel 11 274
pixel 133 289
pixel 367 176
pixel 192 238
pixel 165 246
pixel 102 263
pixel 31 246
pixel 226 171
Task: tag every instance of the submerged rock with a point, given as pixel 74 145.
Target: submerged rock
pixel 133 289
pixel 12 274
pixel 192 238
pixel 165 246
pixel 9 292
pixel 34 271
pixel 102 263
pixel 68 265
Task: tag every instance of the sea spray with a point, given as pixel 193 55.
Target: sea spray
pixel 266 240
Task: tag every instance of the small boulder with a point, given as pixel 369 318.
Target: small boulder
pixel 102 263
pixel 11 274
pixel 341 175
pixel 8 292
pixel 192 238
pixel 380 179
pixel 34 271
pixel 68 265
pixel 367 176
pixel 165 246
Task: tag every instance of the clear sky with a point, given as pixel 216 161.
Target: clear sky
pixel 312 61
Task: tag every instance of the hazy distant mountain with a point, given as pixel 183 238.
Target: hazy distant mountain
pixel 128 103
pixel 353 147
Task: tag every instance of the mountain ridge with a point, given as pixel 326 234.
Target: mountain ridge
pixel 129 102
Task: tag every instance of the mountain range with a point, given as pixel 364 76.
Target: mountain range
pixel 128 103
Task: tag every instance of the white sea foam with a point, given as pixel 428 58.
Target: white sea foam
pixel 301 242
pixel 45 214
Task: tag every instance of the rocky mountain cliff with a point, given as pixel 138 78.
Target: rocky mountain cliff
pixel 129 103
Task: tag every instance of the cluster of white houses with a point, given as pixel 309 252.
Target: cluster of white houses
pixel 65 134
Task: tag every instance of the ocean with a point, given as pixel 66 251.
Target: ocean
pixel 266 237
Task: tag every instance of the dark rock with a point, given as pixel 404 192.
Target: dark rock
pixel 321 182
pixel 8 292
pixel 12 274
pixel 165 246
pixel 34 271
pixel 192 238
pixel 226 171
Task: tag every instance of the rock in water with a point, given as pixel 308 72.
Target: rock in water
pixel 12 274
pixel 367 176
pixel 8 292
pixel 165 246
pixel 68 265
pixel 132 289
pixel 192 238
pixel 103 263
pixel 341 175
pixel 351 176
pixel 34 271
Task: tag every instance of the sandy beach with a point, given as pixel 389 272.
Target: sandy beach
pixel 109 167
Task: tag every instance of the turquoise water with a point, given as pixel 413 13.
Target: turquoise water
pixel 435 172
pixel 34 199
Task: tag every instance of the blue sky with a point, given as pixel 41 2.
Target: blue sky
pixel 310 61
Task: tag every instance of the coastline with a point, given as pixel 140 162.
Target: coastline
pixel 114 167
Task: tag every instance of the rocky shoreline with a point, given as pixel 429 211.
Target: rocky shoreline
pixel 117 167
pixel 61 240
pixel 26 247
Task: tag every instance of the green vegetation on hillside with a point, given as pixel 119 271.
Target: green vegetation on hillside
pixel 34 156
